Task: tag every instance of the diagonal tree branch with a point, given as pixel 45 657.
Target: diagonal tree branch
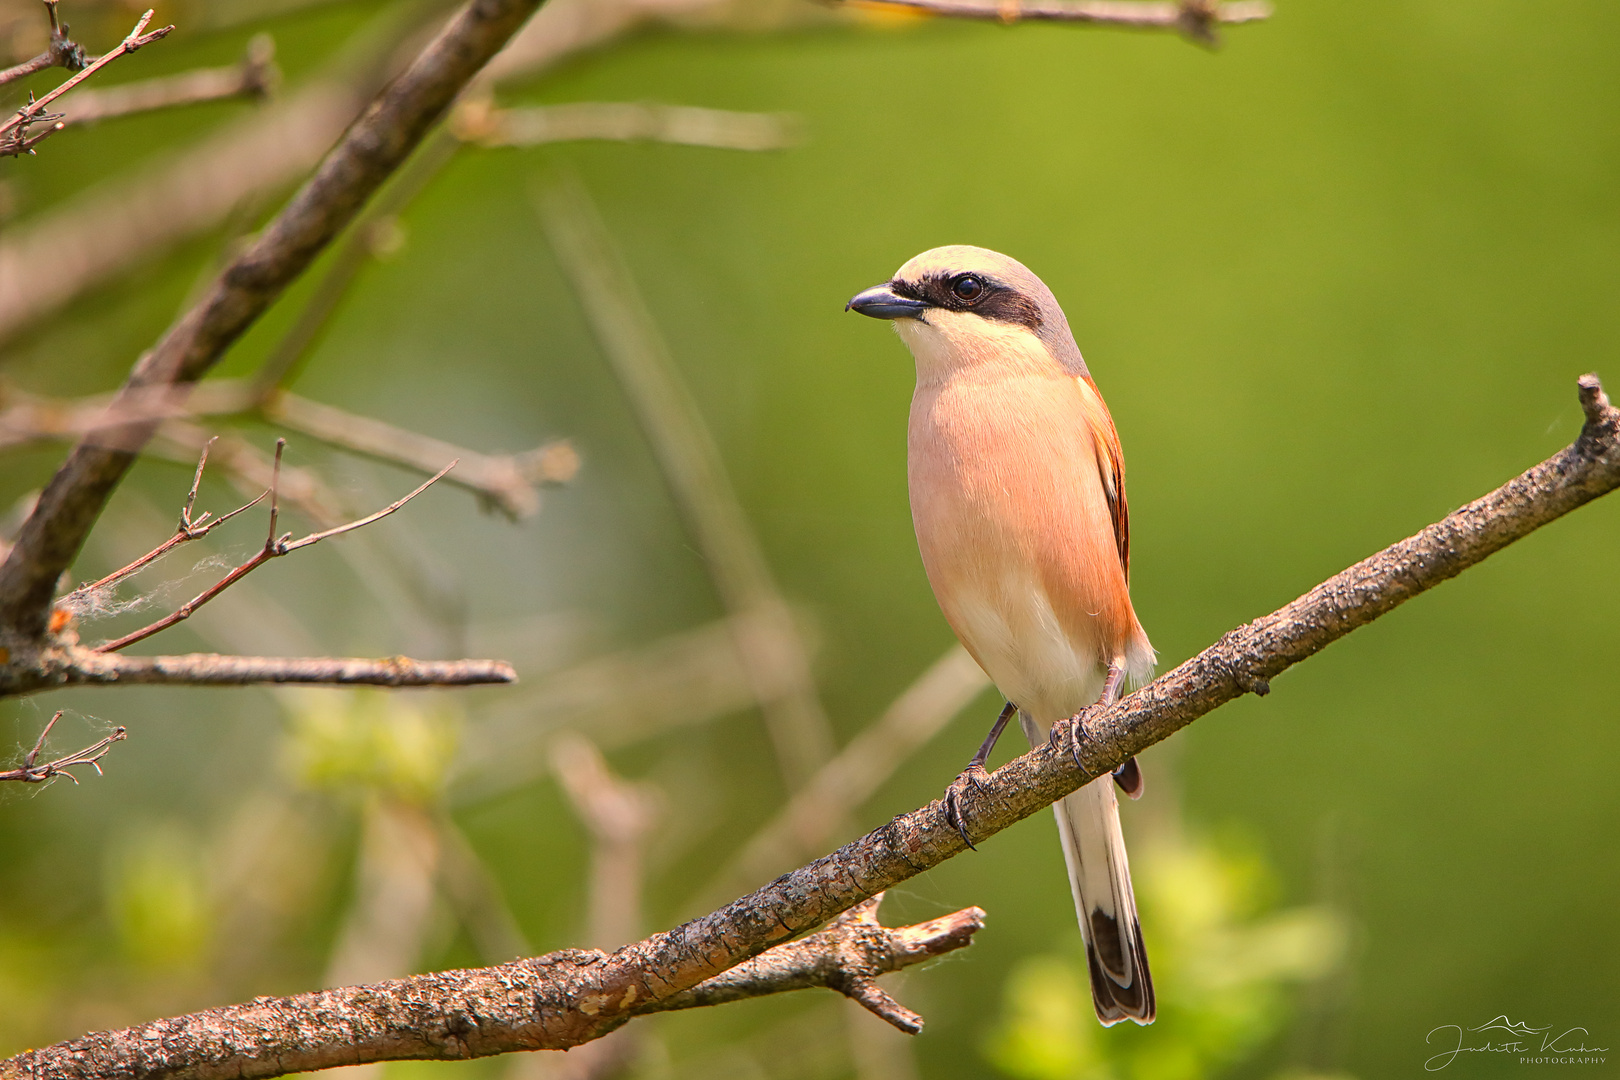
pixel 367 154
pixel 568 998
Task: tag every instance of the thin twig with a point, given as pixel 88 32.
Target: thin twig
pixel 90 755
pixel 509 482
pixel 274 548
pixel 189 529
pixel 774 651
pixel 1195 18
pixel 573 997
pixel 255 77
pixel 85 667
pixel 369 152
pixel 479 122
pixel 62 52
pixel 35 109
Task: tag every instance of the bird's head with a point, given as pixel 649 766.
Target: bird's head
pixel 959 306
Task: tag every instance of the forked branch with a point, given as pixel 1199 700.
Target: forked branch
pixel 14 138
pixel 189 529
pixel 62 52
pixel 368 153
pixel 568 998
pixel 274 548
pixel 38 774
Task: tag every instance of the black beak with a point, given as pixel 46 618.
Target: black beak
pixel 882 302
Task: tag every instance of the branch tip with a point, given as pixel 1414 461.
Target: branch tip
pixel 875 1000
pixel 1594 402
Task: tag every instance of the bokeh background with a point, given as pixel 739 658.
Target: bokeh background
pixel 1335 279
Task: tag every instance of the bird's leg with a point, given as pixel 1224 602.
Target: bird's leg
pixel 971 776
pixel 1071 731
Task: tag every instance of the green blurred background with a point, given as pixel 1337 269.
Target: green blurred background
pixel 1335 279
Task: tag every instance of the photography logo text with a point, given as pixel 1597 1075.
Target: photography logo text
pixel 1548 1044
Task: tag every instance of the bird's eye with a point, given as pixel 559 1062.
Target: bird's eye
pixel 967 288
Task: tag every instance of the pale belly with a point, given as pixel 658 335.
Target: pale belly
pixel 1014 633
pixel 1014 531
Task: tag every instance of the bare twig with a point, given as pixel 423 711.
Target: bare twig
pixel 62 52
pixel 49 259
pixel 255 77
pixel 90 755
pixel 816 812
pixel 84 667
pixel 696 474
pixel 189 529
pixel 479 122
pixel 369 152
pixel 572 997
pixel 12 144
pixel 1195 18
pixel 274 547
pixel 510 482
pixel 54 257
pixel 847 957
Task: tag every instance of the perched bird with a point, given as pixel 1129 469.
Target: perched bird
pixel 1018 497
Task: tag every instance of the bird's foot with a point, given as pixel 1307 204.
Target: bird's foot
pixel 1069 734
pixel 969 779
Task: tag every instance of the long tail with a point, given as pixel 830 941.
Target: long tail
pixel 1100 878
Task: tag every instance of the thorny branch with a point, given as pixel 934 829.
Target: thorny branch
pixel 369 152
pixel 568 998
pixel 14 138
pixel 90 755
pixel 274 548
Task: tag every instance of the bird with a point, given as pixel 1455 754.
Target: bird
pixel 1017 486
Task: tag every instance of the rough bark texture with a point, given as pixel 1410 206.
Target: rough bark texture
pixel 465 1014
pixel 367 154
pixel 568 998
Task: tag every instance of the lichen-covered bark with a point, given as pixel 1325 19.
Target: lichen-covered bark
pixel 571 997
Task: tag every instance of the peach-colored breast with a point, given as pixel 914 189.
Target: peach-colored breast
pixel 1017 536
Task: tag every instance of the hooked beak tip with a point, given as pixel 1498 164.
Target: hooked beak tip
pixel 882 302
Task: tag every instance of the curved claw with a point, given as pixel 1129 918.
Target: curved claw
pixel 970 777
pixel 1070 734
